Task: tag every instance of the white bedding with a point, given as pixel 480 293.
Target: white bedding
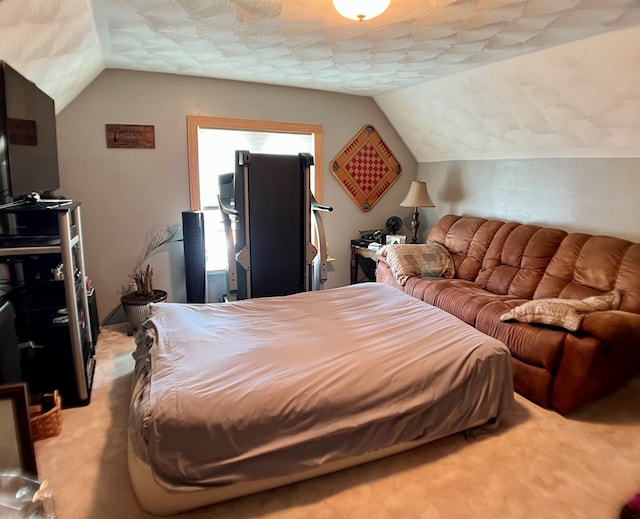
pixel 239 393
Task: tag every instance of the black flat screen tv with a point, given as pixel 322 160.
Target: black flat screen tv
pixel 28 145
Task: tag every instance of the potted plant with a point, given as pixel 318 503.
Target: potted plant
pixel 141 292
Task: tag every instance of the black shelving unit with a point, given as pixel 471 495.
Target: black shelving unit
pixel 41 249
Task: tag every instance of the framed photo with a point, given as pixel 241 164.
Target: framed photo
pixel 16 445
pixel 394 239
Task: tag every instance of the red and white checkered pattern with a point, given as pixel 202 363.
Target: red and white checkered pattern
pixel 366 168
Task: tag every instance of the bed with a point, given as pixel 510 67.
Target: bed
pixel 233 398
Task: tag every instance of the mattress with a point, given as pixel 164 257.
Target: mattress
pixel 233 398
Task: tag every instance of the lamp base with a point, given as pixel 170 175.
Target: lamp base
pixel 415 223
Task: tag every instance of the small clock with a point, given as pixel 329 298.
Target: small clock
pixel 394 224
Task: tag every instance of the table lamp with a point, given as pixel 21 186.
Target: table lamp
pixel 418 196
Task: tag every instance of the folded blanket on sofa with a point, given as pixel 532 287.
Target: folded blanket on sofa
pixel 425 259
pixel 564 313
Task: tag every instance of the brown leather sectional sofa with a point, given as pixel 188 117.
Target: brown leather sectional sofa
pixel 500 265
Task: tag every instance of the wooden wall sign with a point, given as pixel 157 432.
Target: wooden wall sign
pixel 366 168
pixel 130 136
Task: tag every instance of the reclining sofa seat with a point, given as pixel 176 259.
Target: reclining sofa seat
pixel 500 265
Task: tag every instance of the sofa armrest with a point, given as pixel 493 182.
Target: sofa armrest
pixel 613 327
pixel 385 275
pixel 597 361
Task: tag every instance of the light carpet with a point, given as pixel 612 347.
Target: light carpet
pixel 538 464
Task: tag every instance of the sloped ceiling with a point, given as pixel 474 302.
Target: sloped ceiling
pixel 53 43
pixel 416 50
pixel 580 99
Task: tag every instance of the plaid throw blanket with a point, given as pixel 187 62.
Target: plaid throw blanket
pixel 428 259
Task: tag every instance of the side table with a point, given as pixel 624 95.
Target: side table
pixel 364 262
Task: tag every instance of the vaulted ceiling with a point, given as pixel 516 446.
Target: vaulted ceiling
pixel 63 45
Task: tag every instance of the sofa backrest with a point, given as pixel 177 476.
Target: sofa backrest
pixel 587 265
pixel 467 239
pixel 517 259
pixel 534 262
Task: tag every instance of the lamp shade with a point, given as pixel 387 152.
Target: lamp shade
pixel 361 9
pixel 418 196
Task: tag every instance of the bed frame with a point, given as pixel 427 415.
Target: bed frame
pixel 156 500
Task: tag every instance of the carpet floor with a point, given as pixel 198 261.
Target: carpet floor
pixel 538 464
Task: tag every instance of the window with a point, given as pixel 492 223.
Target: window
pixel 212 143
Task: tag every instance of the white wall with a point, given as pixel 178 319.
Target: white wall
pixel 125 192
pixel 598 196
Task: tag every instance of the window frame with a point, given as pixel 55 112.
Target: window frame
pixel 194 122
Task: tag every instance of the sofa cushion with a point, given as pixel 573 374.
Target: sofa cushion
pixel 535 345
pixel 426 288
pixel 464 299
pixel 517 259
pixel 587 265
pixel 467 239
pixel 565 313
pixel 428 259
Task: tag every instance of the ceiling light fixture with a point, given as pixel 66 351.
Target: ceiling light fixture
pixel 361 9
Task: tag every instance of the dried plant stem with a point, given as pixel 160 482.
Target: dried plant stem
pixel 143 280
pixel 142 276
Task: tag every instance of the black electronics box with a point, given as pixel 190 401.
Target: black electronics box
pixel 29 222
pixel 378 235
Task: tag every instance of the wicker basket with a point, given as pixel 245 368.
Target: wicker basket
pixel 47 424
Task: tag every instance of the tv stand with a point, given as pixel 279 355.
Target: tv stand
pixel 48 290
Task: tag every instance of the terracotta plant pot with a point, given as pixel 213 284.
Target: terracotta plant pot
pixel 136 307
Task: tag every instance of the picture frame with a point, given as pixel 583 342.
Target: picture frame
pixel 16 443
pixel 394 239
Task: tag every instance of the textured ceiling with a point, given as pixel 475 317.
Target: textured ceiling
pixel 580 99
pixel 64 44
pixel 53 43
pixel 306 43
pixel 414 59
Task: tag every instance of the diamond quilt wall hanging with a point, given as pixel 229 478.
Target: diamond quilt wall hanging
pixel 366 168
